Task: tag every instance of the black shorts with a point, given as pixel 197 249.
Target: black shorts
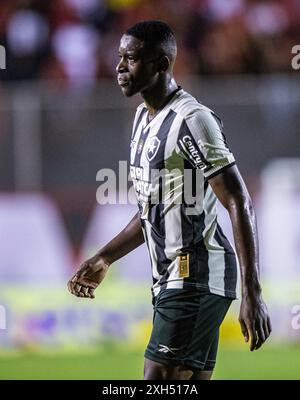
pixel 186 328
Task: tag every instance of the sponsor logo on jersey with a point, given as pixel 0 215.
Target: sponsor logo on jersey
pixel 193 151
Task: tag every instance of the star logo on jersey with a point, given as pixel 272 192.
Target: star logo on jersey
pixel 152 148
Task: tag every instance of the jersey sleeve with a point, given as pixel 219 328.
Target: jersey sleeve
pixel 202 143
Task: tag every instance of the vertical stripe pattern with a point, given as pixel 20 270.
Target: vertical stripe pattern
pixel 162 151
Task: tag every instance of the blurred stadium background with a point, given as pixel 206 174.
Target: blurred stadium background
pixel 63 118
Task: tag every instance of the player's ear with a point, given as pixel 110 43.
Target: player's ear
pixel 163 64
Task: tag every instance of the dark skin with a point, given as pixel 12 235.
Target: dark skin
pixel 145 71
pixel 149 72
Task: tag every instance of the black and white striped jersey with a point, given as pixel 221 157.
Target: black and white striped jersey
pixel 172 158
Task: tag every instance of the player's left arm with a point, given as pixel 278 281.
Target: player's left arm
pixel 231 190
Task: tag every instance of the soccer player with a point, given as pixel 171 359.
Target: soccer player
pixel 194 266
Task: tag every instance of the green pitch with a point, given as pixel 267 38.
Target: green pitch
pixel 115 362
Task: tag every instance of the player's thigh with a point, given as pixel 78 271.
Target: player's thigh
pixel 185 325
pixel 185 331
pixel 203 339
pixel 201 375
pixel 210 360
pixel 208 369
pixel 157 371
pixel 175 313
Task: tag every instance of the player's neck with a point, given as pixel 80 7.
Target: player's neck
pixel 156 98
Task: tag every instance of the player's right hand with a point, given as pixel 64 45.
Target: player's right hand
pixel 89 275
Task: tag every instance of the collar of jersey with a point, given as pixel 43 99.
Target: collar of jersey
pixel 169 100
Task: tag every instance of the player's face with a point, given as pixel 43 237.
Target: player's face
pixel 137 70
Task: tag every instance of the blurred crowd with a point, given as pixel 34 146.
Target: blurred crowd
pixel 77 40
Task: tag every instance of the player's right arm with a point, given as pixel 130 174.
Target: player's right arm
pixel 91 273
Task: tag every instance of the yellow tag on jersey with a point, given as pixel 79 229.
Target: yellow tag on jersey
pixel 184 266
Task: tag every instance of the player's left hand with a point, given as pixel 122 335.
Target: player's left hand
pixel 255 321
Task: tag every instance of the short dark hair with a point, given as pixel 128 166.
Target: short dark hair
pixel 155 34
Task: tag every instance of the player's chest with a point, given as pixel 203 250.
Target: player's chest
pixel 148 149
pixel 152 142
